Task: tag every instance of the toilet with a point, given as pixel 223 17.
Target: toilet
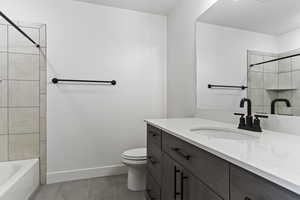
pixel 136 160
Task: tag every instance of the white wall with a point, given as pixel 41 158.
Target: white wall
pixel 181 71
pixel 222 59
pixel 89 126
pixel 289 41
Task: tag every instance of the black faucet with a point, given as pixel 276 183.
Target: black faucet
pixel 249 123
pixel 288 104
pixel 249 118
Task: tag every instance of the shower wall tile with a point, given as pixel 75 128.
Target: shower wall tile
pixel 43 59
pixel 3 93
pixel 296 79
pixel 272 66
pixel 23 120
pixel 285 80
pixel 43 36
pixel 43 129
pixel 3 147
pixel 256 80
pixel 23 123
pixel 285 95
pixel 43 81
pixel 285 65
pixel 270 80
pixel 283 110
pixel 296 111
pixel 3 38
pixel 23 93
pixel 3 66
pixel 269 96
pixel 23 67
pixel 43 161
pixel 258 109
pixel 19 44
pixel 296 98
pixel 257 96
pixel 256 59
pixel 43 106
pixel 3 121
pixel 296 63
pixel 24 146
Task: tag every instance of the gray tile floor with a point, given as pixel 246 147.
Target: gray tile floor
pixel 106 188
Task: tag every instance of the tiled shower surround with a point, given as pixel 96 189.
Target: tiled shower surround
pixel 273 80
pixel 23 94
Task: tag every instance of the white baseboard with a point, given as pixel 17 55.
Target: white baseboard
pixel 71 175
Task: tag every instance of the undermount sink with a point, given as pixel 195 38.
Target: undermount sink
pixel 225 133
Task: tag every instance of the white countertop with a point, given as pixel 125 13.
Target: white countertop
pixel 272 155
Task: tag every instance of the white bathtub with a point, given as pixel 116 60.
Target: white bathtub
pixel 18 179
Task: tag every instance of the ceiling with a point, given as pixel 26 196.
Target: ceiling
pixel 162 7
pixel 273 17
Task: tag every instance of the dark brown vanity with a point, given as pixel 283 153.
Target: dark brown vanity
pixel 177 170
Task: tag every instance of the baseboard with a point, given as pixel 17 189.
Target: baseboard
pixel 78 174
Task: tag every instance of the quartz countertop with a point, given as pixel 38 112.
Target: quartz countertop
pixel 272 155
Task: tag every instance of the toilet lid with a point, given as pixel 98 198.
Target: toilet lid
pixel 135 154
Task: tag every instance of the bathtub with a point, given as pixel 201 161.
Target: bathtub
pixel 18 179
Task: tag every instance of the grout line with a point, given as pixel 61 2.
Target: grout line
pixel 22 53
pixel 29 133
pixel 16 80
pixel 7 93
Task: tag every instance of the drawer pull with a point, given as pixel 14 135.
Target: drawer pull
pixel 179 152
pixel 247 198
pixel 152 160
pixel 153 134
pixel 149 195
pixel 175 182
pixel 182 184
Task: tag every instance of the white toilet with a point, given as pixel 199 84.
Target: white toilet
pixel 136 160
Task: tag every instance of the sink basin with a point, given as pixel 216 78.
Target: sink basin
pixel 225 133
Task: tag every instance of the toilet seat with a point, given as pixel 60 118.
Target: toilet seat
pixel 139 154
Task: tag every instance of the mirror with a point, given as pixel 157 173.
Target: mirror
pixel 252 43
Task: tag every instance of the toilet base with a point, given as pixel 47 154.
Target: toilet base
pixel 136 178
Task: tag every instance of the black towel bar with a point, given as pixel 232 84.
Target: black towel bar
pixel 56 80
pixel 227 86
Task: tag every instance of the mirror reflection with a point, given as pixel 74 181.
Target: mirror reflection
pixel 258 45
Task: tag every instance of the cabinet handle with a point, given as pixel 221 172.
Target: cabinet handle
pixel 175 182
pixel 182 178
pixel 179 152
pixel 149 195
pixel 152 160
pixel 247 198
pixel 153 133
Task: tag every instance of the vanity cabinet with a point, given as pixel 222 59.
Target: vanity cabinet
pixel 248 186
pixel 179 184
pixel 177 170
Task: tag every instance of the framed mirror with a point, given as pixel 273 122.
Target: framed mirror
pixel 249 48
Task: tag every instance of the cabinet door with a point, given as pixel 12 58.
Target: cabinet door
pixel 171 179
pixel 180 184
pixel 193 189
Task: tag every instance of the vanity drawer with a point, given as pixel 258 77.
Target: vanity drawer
pixel 247 186
pixel 154 163
pixel 154 136
pixel 152 189
pixel 212 170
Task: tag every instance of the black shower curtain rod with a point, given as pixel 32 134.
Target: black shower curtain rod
pixel 276 59
pixel 18 29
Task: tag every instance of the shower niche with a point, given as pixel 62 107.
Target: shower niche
pixel 23 93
